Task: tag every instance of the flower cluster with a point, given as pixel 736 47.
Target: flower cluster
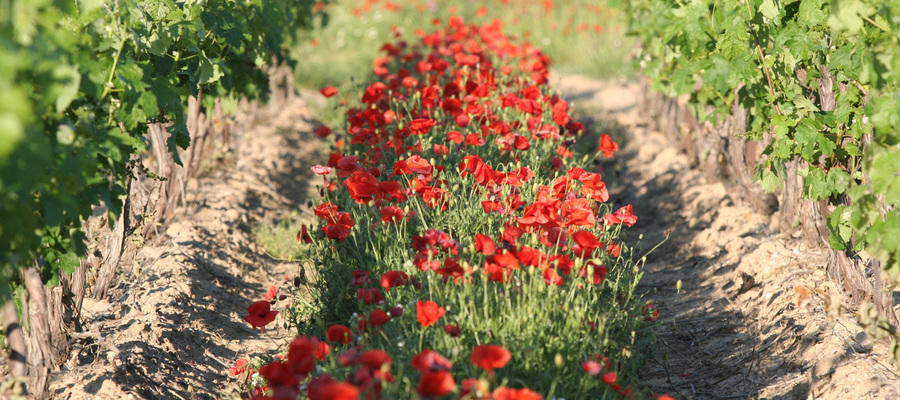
pixel 454 190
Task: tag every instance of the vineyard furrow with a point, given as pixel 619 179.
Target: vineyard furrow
pixel 173 329
pixel 755 315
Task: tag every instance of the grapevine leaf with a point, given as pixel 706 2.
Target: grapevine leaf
pixel 848 16
pixel 70 81
pixel 815 185
pixel 840 228
pixel 769 9
pixel 210 71
pixel 838 180
pixel 767 178
pixel 810 13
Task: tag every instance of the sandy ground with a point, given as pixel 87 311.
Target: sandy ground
pixel 756 317
pixel 174 325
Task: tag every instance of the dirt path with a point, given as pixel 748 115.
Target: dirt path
pixel 756 316
pixel 174 325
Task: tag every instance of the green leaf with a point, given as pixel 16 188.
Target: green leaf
pixel 767 178
pixel 70 82
pixel 840 228
pixel 805 104
pixel 210 71
pixel 11 133
pixel 769 9
pixel 810 13
pixel 90 5
pixel 806 136
pixel 848 16
pixel 838 180
pixel 815 185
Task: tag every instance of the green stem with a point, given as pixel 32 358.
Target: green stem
pixel 877 25
pixel 112 72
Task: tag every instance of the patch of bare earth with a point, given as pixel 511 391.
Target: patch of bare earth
pixel 756 316
pixel 174 325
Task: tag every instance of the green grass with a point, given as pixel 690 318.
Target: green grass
pixel 279 238
pixel 348 43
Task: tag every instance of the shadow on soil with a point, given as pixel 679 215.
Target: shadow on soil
pixel 224 275
pixel 700 352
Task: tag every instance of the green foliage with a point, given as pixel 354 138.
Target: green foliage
pixel 774 54
pixel 81 80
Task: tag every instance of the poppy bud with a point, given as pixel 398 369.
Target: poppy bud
pixel 297 281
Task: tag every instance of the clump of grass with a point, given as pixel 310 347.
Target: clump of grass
pixel 279 238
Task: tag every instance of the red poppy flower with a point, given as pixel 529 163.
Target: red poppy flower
pixel 322 349
pixel 435 383
pixel 393 278
pixel 593 187
pixel 421 126
pixel 278 374
pixel 623 215
pixel 592 367
pixel 271 293
pixel 336 231
pixel 490 356
pixel 327 211
pixel 328 91
pixel 650 312
pixel 505 393
pixel 455 137
pixel 607 146
pixel 532 257
pixel 323 131
pixel 585 243
pixel 360 277
pixel 613 249
pixel 320 169
pixel 374 359
pixel 578 212
pixel 339 333
pixel 239 367
pixel 610 377
pixel 362 186
pixel 474 388
pixel 324 387
pixel 599 274
pixel 418 165
pixel 428 312
pixel 430 360
pixel 484 244
pixel 378 317
pixel 303 235
pixel 260 314
pixel 551 277
pixel 301 355
pixel 452 330
pixel 511 234
pixel 369 296
pixel 391 214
